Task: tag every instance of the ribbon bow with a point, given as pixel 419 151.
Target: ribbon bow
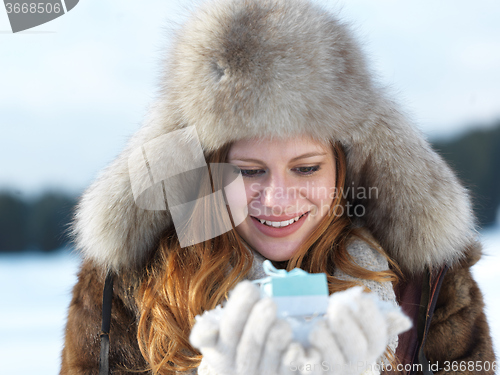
pixel 272 271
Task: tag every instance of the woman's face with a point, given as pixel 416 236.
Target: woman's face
pixel 289 185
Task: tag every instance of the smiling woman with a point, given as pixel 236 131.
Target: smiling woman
pixel 279 90
pixel 276 190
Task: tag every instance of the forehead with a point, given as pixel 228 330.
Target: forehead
pixel 284 147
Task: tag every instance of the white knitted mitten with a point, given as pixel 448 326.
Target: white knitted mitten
pixel 355 333
pixel 244 337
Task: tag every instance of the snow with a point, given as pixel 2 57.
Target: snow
pixel 34 298
pixel 36 291
pixel 487 274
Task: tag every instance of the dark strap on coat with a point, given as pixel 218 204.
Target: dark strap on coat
pixel 428 300
pixel 107 299
pixel 422 320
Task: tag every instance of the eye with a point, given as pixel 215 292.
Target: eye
pixel 252 172
pixel 307 170
pixel 248 172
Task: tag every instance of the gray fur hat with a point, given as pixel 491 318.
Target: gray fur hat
pixel 278 68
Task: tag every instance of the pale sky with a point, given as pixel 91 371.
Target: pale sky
pixel 72 91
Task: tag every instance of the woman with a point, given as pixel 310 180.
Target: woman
pixel 250 83
pixel 293 191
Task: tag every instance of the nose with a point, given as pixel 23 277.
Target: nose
pixel 278 194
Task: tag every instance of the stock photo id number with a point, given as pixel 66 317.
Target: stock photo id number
pixel 29 14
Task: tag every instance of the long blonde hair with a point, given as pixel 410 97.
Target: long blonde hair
pixel 181 283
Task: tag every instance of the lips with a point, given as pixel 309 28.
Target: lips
pixel 281 226
pixel 278 222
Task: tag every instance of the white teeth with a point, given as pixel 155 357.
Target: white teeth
pixel 280 224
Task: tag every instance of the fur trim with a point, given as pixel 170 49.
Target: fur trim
pixel 279 68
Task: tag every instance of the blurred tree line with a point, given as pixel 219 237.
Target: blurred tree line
pixel 475 157
pixel 42 223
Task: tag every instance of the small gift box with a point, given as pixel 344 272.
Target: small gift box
pixel 297 293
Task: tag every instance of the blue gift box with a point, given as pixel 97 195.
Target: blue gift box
pixel 296 293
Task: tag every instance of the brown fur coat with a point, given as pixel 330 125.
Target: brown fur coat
pixel 458 333
pixel 276 68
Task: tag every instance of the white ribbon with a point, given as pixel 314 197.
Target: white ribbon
pixel 272 271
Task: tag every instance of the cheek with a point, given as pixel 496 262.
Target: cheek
pixel 252 191
pixel 322 194
pixel 321 191
pixel 236 196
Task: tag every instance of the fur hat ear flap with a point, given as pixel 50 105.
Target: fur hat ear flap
pixel 414 204
pixel 109 227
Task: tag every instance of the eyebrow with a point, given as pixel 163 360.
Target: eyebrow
pixel 303 156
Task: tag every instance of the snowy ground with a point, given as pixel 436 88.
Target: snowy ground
pixel 34 296
pixel 487 274
pixel 35 292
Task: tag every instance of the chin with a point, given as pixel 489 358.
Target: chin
pixel 276 252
